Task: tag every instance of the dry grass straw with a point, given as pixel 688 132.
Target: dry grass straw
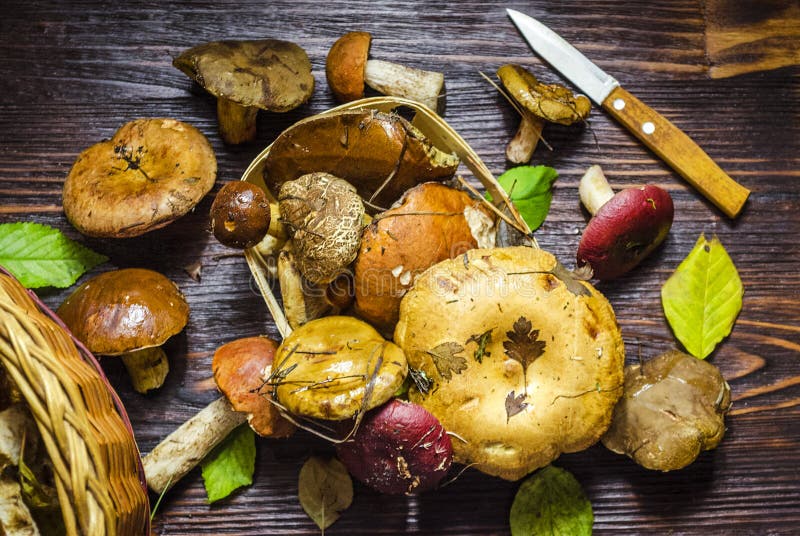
pixel 82 423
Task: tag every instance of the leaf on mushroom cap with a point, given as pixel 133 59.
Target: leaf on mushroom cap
pixel 551 102
pixel 150 173
pixel 125 310
pixel 269 74
pixel 568 391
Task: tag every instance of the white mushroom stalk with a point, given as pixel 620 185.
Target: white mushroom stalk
pixel 594 189
pixel 407 82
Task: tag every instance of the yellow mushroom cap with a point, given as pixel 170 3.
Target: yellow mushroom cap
pixel 526 361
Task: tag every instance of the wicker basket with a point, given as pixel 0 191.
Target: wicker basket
pixel 439 133
pixel 83 424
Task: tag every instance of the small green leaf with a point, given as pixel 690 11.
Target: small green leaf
pixel 530 189
pixel 231 464
pixel 551 503
pixel 325 490
pixel 703 297
pixel 40 256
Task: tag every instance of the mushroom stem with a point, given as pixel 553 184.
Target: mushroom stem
pixel 147 368
pixel 594 189
pixel 521 147
pixel 406 82
pixel 184 448
pixel 237 123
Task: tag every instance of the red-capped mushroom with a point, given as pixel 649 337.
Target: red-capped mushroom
pixel 624 228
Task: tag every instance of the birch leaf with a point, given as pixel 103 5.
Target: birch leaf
pixel 325 490
pixel 703 297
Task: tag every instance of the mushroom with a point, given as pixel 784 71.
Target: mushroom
pixel 246 76
pixel 382 155
pixel 348 69
pixel 150 173
pixel 239 369
pixel 624 228
pixel 336 367
pixel 427 225
pixel 530 365
pixel 128 313
pixel 241 215
pixel 538 103
pixel 673 409
pixel 324 216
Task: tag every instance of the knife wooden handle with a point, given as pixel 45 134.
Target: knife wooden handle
pixel 678 150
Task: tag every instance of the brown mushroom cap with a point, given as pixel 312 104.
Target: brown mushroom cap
pixel 526 362
pixel 625 230
pixel 269 74
pixel 551 102
pixel 150 173
pixel 345 64
pixel 240 214
pixel 125 310
pixel 426 226
pixel 239 373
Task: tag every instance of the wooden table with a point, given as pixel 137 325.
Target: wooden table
pixel 72 72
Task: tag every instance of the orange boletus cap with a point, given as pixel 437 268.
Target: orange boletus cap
pixel 344 67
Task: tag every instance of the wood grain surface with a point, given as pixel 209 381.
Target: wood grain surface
pixel 72 72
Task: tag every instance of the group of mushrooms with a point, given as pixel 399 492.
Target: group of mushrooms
pixel 414 340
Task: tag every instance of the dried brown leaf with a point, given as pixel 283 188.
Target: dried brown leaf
pixel 325 490
pixel 514 404
pixel 446 361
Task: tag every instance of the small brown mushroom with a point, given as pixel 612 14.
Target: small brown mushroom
pixel 624 228
pixel 128 313
pixel 538 103
pixel 348 69
pixel 241 214
pixel 150 173
pixel 673 408
pixel 246 76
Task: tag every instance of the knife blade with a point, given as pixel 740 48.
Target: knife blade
pixel 666 140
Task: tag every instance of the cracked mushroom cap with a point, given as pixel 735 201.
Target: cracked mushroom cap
pixel 125 310
pixel 551 102
pixel 150 173
pixel 345 64
pixel 269 74
pixel 529 367
pixel 239 371
pixel 430 223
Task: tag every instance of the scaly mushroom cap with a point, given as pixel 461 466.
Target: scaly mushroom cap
pixel 269 74
pixel 325 217
pixel 551 102
pixel 426 226
pixel 344 66
pixel 125 310
pixel 326 367
pixel 152 172
pixel 625 230
pixel 239 371
pixel 526 361
pixel 673 408
pixel 382 155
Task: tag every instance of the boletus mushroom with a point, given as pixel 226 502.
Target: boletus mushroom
pixel 382 155
pixel 241 215
pixel 430 223
pixel 625 228
pixel 538 104
pixel 128 313
pixel 531 365
pixel 673 409
pixel 348 69
pixel 247 76
pixel 150 173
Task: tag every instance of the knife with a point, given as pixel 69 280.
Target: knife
pixel 665 139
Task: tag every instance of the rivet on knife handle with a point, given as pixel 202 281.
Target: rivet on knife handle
pixel 678 150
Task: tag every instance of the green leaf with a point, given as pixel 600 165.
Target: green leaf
pixel 40 256
pixel 703 297
pixel 530 189
pixel 551 502
pixel 231 464
pixel 325 490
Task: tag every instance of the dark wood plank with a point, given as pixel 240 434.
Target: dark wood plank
pixel 72 72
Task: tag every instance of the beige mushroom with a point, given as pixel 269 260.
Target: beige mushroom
pixel 150 173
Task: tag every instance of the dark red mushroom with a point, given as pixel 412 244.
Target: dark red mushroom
pixel 624 228
pixel 399 448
